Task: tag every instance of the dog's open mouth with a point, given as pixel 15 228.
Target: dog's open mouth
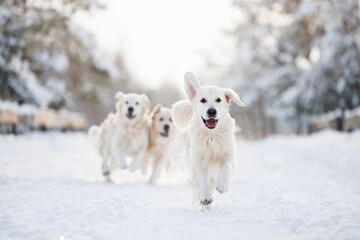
pixel 130 116
pixel 210 123
pixel 164 134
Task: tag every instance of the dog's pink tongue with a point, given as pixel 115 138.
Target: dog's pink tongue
pixel 211 122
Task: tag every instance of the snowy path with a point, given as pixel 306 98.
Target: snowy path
pixel 285 188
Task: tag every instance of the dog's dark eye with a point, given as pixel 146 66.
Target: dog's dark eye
pixel 126 102
pixel 218 100
pixel 170 120
pixel 137 103
pixel 161 119
pixel 203 100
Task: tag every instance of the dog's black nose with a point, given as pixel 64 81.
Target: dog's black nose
pixel 130 109
pixel 166 127
pixel 211 112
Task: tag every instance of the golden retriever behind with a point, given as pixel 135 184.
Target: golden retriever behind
pixel 162 136
pixel 210 136
pixel 123 134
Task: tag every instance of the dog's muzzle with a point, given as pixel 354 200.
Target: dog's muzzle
pixel 130 116
pixel 165 133
pixel 210 123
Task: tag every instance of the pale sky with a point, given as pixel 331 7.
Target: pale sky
pixel 162 39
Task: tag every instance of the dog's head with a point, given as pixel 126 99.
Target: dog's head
pixel 162 121
pixel 132 106
pixel 210 103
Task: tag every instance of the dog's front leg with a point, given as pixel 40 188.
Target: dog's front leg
pixel 222 183
pixel 156 171
pixel 105 157
pixel 201 180
pixel 169 163
pixel 118 154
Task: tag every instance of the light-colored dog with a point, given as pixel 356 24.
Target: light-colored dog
pixel 210 136
pixel 162 136
pixel 123 134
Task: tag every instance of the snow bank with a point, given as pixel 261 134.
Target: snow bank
pixel 24 109
pixel 51 119
pixel 285 188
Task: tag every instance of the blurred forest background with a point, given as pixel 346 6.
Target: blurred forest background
pixel 296 62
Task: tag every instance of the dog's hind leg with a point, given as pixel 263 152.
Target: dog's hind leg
pixel 105 165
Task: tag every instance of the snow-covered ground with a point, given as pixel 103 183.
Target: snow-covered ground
pixel 285 188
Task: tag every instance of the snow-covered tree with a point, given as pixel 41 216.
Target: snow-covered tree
pixel 45 59
pixel 331 78
pixel 296 58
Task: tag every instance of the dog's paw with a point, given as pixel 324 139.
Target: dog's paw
pixel 222 186
pixel 107 176
pixel 206 201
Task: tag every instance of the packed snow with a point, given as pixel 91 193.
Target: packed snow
pixel 285 188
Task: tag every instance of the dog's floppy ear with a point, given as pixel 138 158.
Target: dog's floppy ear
pixel 156 111
pixel 231 95
pixel 191 84
pixel 146 101
pixel 119 95
pixel 118 106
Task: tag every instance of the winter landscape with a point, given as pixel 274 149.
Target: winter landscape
pixel 294 63
pixel 285 188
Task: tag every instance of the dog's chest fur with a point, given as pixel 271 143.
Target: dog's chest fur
pixel 158 144
pixel 130 138
pixel 214 145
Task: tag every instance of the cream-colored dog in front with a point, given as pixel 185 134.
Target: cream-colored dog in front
pixel 123 134
pixel 162 139
pixel 210 136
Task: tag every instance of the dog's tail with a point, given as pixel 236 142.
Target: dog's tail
pixel 182 113
pixel 94 135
